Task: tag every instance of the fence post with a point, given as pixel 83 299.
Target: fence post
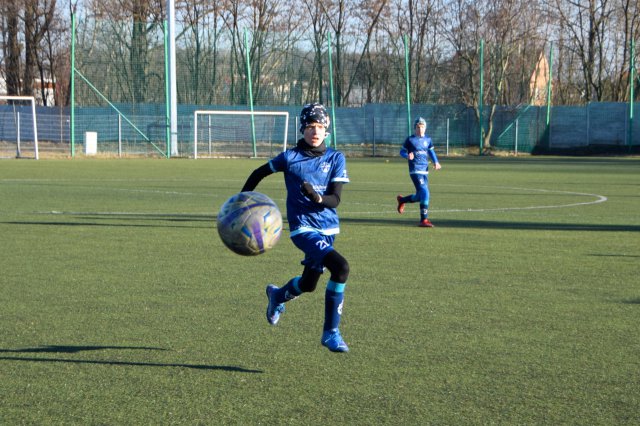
pixel 119 135
pixel 407 82
pixel 72 120
pixel 250 86
pixel 447 136
pixel 481 95
pixel 333 103
pixel 632 78
pixel 373 122
pixel 548 118
pixel 516 139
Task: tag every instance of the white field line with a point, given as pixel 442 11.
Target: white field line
pixel 377 209
pixel 598 199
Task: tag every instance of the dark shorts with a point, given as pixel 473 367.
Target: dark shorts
pixel 315 247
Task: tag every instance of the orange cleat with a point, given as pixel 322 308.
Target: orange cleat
pixel 400 204
pixel 425 223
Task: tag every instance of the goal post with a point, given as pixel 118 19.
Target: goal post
pixel 18 127
pixel 218 133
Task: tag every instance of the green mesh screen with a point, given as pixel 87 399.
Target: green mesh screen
pixel 120 88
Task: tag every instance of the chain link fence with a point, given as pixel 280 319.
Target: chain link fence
pixel 120 87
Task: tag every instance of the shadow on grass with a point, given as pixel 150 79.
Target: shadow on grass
pixel 77 349
pixel 402 222
pixel 105 224
pixel 493 224
pixel 615 255
pixel 121 219
pixel 632 301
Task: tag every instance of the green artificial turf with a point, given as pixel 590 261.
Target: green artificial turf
pixel 120 305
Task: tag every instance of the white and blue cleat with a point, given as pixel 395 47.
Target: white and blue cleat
pixel 333 340
pixel 273 309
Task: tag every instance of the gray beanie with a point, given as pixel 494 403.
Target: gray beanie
pixel 419 120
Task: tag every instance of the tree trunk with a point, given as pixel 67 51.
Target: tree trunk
pixel 13 50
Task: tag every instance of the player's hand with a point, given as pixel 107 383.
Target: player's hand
pixel 410 156
pixel 308 191
pixel 437 166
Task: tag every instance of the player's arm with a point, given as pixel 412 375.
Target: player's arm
pixel 330 199
pixel 405 152
pixel 256 176
pixel 434 158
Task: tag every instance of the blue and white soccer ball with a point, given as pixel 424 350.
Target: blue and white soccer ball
pixel 249 223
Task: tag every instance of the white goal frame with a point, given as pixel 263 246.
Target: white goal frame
pixel 231 112
pixel 32 100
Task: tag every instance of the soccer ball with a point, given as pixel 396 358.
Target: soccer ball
pixel 249 223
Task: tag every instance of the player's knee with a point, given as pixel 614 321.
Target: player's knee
pixel 307 286
pixel 338 266
pixel 342 273
pixel 308 281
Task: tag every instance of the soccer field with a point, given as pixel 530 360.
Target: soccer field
pixel 120 305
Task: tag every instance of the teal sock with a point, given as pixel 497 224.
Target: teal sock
pixel 289 291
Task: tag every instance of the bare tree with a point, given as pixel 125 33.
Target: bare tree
pixel 199 36
pixel 337 14
pixel 129 49
pixel 501 25
pixel 266 51
pixel 26 24
pixel 319 26
pixel 421 21
pixel 11 45
pixel 627 18
pixel 354 64
pixel 48 29
pixel 587 23
pixel 288 49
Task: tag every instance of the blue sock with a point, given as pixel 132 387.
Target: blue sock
pixel 407 199
pixel 333 298
pixel 424 211
pixel 289 291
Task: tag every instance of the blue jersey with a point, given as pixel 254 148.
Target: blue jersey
pixel 422 148
pixel 303 214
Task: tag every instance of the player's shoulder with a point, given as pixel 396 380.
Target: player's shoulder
pixel 290 152
pixel 414 139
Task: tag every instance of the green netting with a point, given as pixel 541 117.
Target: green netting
pixel 120 89
pixel 121 85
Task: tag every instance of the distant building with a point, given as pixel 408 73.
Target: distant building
pixel 49 87
pixel 539 82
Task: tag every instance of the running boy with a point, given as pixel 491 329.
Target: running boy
pixel 418 149
pixel 314 176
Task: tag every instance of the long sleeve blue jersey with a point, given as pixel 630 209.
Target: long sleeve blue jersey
pixel 304 215
pixel 423 150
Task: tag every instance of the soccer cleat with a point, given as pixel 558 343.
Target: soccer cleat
pixel 400 204
pixel 333 340
pixel 425 223
pixel 273 309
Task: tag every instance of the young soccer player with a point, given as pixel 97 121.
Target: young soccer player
pixel 314 176
pixel 418 149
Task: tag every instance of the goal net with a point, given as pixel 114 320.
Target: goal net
pixel 239 133
pixel 18 127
